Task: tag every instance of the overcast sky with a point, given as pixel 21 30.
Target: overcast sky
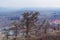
pixel 29 3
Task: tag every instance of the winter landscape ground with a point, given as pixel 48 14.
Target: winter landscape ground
pixel 29 24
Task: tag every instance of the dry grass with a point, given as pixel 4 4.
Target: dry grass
pixel 55 36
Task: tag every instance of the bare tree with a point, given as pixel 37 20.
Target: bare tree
pixel 6 33
pixel 58 26
pixel 42 24
pixel 47 25
pixel 29 20
pixel 15 28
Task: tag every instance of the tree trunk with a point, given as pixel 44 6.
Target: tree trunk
pixel 58 27
pixel 27 28
pixel 7 36
pixel 15 38
pixel 45 31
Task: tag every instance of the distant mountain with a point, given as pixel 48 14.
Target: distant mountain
pixel 17 12
pixel 8 15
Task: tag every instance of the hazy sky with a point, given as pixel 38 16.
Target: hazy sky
pixel 29 3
